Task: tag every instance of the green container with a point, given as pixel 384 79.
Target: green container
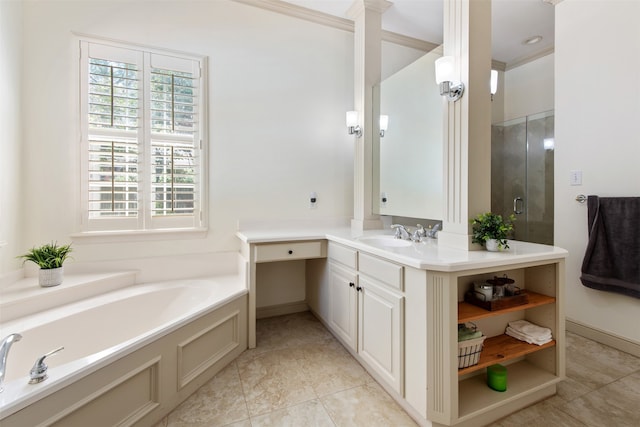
pixel 497 377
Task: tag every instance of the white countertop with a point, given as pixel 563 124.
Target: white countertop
pixel 428 255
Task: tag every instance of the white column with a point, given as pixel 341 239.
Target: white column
pixel 467 122
pixel 367 17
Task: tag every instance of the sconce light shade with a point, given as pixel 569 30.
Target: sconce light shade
pixel 352 124
pixel 444 69
pixel 445 77
pixel 494 82
pixel 384 124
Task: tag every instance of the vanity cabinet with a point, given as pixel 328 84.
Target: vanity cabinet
pixel 366 313
pixel 398 315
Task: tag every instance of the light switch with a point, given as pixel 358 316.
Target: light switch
pixel 575 178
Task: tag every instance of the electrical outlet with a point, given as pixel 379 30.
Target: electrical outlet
pixel 383 199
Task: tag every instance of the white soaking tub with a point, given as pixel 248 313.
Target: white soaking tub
pixel 161 341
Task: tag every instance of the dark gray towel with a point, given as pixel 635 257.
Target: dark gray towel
pixel 612 260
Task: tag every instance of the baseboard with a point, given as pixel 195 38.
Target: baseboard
pixel 281 309
pixel 606 338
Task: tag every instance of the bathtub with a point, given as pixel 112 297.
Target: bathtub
pixel 166 329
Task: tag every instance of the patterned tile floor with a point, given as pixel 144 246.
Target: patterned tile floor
pixel 299 375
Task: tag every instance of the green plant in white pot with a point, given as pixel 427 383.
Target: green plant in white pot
pixel 492 231
pixel 50 258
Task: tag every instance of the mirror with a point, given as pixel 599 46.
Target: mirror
pixel 408 166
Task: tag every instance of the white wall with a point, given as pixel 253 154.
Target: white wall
pixel 529 88
pixel 597 87
pixel 10 146
pixel 278 90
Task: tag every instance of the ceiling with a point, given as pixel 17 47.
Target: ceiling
pixel 513 22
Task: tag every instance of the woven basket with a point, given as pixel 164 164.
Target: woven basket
pixel 469 352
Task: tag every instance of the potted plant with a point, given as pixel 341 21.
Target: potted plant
pixel 49 258
pixel 491 230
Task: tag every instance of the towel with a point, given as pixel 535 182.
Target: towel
pixel 465 334
pixel 612 259
pixel 528 332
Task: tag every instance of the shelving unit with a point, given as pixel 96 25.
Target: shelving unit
pixel 501 348
pixel 461 397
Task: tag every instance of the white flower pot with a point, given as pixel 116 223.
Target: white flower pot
pixel 51 277
pixel 492 245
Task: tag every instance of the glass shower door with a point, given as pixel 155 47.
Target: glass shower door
pixel 522 175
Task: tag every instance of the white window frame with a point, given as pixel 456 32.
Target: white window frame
pixel 145 223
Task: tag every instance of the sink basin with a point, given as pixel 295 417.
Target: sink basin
pixel 384 241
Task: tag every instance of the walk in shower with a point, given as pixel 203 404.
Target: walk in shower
pixel 522 175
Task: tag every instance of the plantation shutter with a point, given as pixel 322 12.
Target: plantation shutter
pixel 174 127
pixel 140 116
pixel 112 104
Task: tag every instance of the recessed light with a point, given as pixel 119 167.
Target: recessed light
pixel 532 40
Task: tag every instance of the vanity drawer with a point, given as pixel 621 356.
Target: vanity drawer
pixel 289 251
pixel 381 270
pixel 343 255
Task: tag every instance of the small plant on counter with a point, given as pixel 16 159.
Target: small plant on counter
pixel 47 256
pixel 488 226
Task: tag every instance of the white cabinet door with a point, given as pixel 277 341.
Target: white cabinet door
pixel 380 332
pixel 343 308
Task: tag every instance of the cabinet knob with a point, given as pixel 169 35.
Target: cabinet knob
pixel 351 284
pixel 359 289
pixel 290 251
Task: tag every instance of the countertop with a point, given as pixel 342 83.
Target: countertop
pixel 429 255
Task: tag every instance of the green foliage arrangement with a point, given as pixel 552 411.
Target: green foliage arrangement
pixel 48 256
pixel 492 226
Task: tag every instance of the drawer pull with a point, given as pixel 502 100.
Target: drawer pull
pixel 351 284
pixel 290 252
pixel 359 289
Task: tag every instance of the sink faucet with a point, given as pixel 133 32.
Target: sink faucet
pixel 401 232
pixel 5 346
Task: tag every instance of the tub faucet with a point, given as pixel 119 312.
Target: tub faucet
pixel 5 346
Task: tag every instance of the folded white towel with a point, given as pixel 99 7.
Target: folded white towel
pixel 527 338
pixel 528 332
pixel 529 329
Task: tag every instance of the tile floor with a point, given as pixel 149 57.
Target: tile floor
pixel 299 375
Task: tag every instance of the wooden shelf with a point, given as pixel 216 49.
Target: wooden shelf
pixel 523 378
pixel 469 312
pixel 501 348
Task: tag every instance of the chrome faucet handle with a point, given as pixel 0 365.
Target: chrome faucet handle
pixel 432 232
pixel 39 371
pixel 401 232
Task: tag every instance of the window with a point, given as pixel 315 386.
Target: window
pixel 142 122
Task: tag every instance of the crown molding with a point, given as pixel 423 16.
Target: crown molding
pixel 301 12
pixel 407 41
pixel 328 20
pixel 526 59
pixel 498 65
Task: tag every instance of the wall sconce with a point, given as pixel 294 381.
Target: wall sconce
pixel 352 124
pixel 384 124
pixel 445 68
pixel 494 83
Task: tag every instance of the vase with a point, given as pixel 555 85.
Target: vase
pixel 492 245
pixel 51 277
